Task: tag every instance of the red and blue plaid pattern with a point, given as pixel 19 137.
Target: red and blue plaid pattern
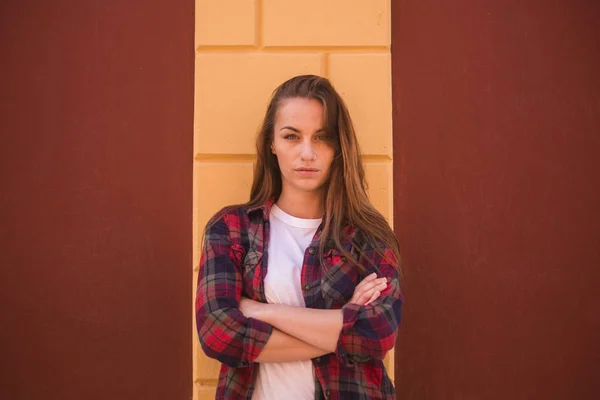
pixel 234 264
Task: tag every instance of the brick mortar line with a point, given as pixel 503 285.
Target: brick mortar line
pixel 258 7
pixel 203 49
pixel 206 382
pixel 325 65
pixel 329 48
pixel 389 21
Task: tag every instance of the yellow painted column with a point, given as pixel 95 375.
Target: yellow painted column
pixel 244 49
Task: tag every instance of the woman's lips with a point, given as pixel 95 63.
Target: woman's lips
pixel 306 171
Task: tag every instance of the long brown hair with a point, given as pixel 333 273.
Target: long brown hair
pixel 345 197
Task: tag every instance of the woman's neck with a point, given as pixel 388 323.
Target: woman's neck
pixel 307 205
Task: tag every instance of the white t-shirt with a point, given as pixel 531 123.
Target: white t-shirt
pixel 289 237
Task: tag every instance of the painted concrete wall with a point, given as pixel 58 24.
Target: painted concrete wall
pixel 497 122
pixel 96 199
pixel 246 48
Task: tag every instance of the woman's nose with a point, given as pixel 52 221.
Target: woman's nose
pixel 308 152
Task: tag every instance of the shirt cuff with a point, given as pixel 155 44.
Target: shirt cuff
pixel 259 333
pixel 350 313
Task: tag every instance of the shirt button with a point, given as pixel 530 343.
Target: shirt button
pixel 318 360
pixel 311 251
pixel 327 393
pixel 306 287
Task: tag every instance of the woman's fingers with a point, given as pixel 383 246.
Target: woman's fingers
pixel 361 287
pixel 375 292
pixel 373 298
pixel 366 292
pixel 369 296
pixel 364 297
pixel 366 280
pixel 369 286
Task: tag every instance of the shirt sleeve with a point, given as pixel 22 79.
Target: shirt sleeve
pixel 370 332
pixel 225 334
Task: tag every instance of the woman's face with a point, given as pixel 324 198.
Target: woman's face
pixel 304 150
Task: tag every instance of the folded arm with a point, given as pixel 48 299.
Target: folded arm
pixel 369 332
pixel 238 331
pixel 282 347
pixel 319 328
pixel 225 333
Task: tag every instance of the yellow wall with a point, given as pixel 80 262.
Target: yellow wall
pixel 244 49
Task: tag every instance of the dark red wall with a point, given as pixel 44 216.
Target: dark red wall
pixel 497 198
pixel 96 199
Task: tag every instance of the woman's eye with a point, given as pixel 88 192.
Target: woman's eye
pixel 290 136
pixel 323 137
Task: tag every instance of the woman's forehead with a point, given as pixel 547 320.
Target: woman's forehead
pixel 300 111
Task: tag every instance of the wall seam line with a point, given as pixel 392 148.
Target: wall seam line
pixel 258 39
pixel 291 49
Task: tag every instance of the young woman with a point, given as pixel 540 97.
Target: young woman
pixel 298 290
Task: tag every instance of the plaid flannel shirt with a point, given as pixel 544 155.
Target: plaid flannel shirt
pixel 234 264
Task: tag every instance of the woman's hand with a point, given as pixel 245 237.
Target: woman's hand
pixel 368 290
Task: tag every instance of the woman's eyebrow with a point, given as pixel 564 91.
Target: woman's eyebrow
pixel 291 128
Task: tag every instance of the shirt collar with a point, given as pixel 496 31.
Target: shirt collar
pixel 266 211
pixel 265 208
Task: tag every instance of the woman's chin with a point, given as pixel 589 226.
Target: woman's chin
pixel 309 186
